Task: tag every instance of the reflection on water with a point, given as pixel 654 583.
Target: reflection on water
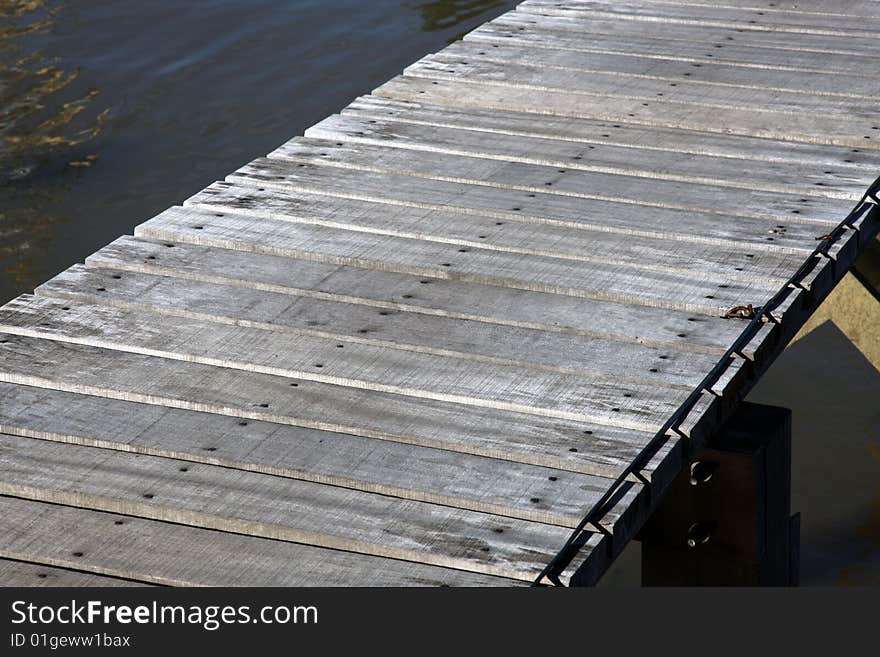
pixel 188 92
pixel 444 14
pixel 43 118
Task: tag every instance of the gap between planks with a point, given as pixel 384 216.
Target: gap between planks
pixel 624 135
pixel 277 508
pixel 503 307
pixel 101 544
pixel 318 362
pixel 558 103
pixel 456 479
pixel 550 442
pixel 596 189
pixel 712 17
pixel 440 336
pixel 730 253
pixel 354 125
pixel 565 34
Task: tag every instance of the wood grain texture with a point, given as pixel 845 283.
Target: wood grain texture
pixel 57 538
pixel 669 290
pixel 535 199
pixel 25 574
pixel 312 360
pixel 424 295
pixel 815 26
pixel 404 330
pixel 614 193
pixel 750 255
pixel 432 132
pixel 702 83
pixel 755 110
pixel 488 432
pixel 840 8
pixel 444 477
pixel 767 43
pixel 274 507
pixel 681 45
pixel 537 98
pixel 797 159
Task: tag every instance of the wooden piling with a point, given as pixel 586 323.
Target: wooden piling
pixel 726 519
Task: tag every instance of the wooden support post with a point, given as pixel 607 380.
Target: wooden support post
pixel 867 268
pixel 725 521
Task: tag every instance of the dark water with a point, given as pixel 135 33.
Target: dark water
pixel 112 111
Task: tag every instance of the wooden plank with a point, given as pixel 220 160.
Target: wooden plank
pixel 737 173
pixel 784 110
pixel 761 253
pixel 567 33
pixel 21 573
pixel 517 205
pixel 858 49
pixel 851 8
pixel 442 336
pixel 745 44
pixel 705 15
pixel 550 442
pixel 275 507
pixel 115 545
pixel 674 144
pixel 396 292
pixel 700 293
pixel 307 359
pixel 454 479
pixel 732 207
pixel 701 82
pixel 537 99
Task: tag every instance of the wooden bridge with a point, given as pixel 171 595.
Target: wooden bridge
pixel 501 302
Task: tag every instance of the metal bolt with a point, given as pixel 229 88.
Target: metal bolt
pixel 699 533
pixel 702 472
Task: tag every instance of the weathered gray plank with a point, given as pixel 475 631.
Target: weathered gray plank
pixel 782 110
pixel 537 99
pixel 22 573
pixel 308 359
pixel 163 553
pixel 274 507
pixel 549 442
pixel 851 8
pixel 797 158
pixel 732 208
pixel 727 250
pixel 567 33
pixel 699 82
pixel 425 295
pixel 858 50
pixel 701 292
pixel 335 320
pixel 522 205
pixel 411 472
pixel 705 15
pixel 738 173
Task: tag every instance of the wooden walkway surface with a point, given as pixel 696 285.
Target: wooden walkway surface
pixel 418 344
